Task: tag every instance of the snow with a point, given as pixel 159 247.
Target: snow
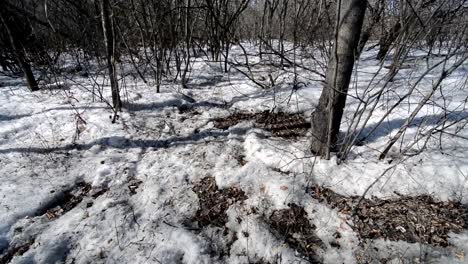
pixel 46 149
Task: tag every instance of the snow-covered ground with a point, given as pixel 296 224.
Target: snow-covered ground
pixel 142 170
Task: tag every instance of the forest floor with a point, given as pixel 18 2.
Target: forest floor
pixel 208 175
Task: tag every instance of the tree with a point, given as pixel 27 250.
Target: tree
pixel 17 49
pixel 373 19
pixel 326 119
pixel 109 42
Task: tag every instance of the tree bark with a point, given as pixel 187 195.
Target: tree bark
pixel 374 19
pixel 19 55
pixel 110 54
pixel 326 119
pixel 188 42
pixel 387 40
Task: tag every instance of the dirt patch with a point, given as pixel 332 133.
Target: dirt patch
pixel 283 124
pixel 65 201
pixel 232 120
pixel 133 185
pixel 293 224
pixel 241 160
pixel 58 206
pixel 214 202
pixel 15 251
pixel 280 124
pixel 68 200
pixel 188 109
pixel 412 219
pixel 263 261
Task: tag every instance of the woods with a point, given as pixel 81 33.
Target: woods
pixel 161 40
pixel 233 131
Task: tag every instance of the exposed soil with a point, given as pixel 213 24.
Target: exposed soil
pixel 411 219
pixel 133 185
pixel 232 120
pixel 61 204
pixel 283 124
pixel 293 224
pixel 15 251
pixel 69 199
pixel 240 159
pixel 65 201
pixel 280 124
pixel 214 202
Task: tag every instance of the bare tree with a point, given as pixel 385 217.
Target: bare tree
pixel 109 42
pixel 18 51
pixel 326 119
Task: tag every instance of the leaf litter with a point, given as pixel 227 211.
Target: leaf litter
pixel 294 225
pixel 214 202
pixel 280 124
pixel 412 219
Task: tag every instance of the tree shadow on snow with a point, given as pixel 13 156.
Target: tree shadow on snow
pixel 119 142
pixel 11 117
pixel 386 128
pixel 178 103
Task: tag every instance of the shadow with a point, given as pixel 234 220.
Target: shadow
pixel 209 104
pixel 125 143
pixel 4 244
pixel 12 117
pixel 207 82
pixel 71 108
pixel 11 81
pixel 387 127
pixel 154 106
pixel 54 87
pixel 267 93
pixel 180 104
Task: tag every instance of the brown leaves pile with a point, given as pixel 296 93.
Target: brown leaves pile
pixel 411 219
pixel 280 124
pixel 232 120
pixel 293 224
pixel 214 202
pixel 16 250
pixel 67 201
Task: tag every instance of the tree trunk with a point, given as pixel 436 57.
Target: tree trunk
pixel 110 55
pixel 387 40
pixel 375 15
pixel 19 55
pixel 188 42
pixel 363 41
pixel 326 119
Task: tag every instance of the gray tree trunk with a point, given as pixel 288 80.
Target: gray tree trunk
pixel 387 40
pixel 110 54
pixel 188 40
pixel 375 15
pixel 326 119
pixel 19 55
